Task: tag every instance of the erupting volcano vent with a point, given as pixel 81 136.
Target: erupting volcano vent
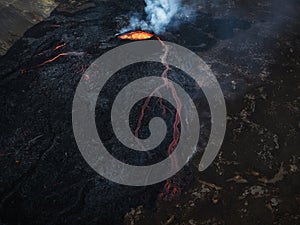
pixel 136 35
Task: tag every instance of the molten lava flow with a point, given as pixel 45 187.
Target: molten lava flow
pixel 23 71
pixel 53 59
pixel 172 186
pixel 136 35
pixel 54 49
pixel 60 55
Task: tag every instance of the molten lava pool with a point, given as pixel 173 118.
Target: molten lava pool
pixel 136 35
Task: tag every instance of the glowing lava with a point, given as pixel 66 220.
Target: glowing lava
pixel 172 187
pixel 136 35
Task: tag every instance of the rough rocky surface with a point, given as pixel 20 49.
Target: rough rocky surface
pixel 16 16
pixel 253 48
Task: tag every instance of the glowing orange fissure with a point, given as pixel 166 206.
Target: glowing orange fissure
pixel 171 188
pixel 136 35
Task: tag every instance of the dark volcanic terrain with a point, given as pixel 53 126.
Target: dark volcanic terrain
pixel 254 50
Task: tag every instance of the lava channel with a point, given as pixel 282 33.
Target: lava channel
pixel 172 187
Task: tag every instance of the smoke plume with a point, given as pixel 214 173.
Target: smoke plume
pixel 159 15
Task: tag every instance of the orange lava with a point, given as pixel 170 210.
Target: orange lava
pixel 136 35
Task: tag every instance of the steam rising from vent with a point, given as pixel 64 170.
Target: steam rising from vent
pixel 159 15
